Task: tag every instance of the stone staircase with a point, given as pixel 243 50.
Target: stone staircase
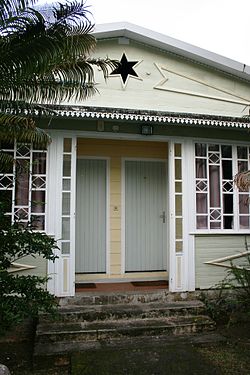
pixel 87 320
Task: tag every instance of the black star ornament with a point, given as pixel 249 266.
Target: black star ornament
pixel 125 69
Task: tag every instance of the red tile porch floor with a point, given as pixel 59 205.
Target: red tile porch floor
pixel 123 286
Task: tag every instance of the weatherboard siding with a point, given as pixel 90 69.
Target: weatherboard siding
pixel 38 262
pixel 211 247
pixel 167 82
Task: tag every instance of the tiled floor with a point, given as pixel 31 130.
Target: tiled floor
pixel 123 286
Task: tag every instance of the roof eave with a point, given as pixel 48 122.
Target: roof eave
pixel 186 50
pixel 152 117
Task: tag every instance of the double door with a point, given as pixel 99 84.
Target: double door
pixel 145 213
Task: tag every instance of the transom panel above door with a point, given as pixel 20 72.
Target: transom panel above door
pixel 145 216
pixel 91 215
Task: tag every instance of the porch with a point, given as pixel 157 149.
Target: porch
pixel 115 213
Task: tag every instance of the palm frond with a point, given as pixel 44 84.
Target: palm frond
pixel 9 119
pixel 50 91
pixel 17 107
pixel 10 7
pixel 43 61
pixel 71 12
pixel 6 160
pixel 68 79
pixel 23 128
pixel 18 25
pixel 30 47
pixel 104 64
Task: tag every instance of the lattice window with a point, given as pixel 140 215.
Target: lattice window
pixel 219 205
pixel 178 176
pixel 23 185
pixel 66 196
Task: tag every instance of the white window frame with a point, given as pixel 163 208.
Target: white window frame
pixel 236 226
pixel 31 188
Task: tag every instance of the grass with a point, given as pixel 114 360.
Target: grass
pixel 228 359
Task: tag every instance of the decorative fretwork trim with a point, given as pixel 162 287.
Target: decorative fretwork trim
pixel 122 114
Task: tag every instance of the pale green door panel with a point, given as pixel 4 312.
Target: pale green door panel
pixel 91 216
pixel 145 216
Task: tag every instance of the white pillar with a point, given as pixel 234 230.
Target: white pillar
pixel 181 243
pixel 61 224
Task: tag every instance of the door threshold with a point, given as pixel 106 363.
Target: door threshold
pixel 122 286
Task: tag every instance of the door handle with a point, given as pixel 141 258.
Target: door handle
pixel 163 217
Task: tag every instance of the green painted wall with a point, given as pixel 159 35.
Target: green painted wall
pixel 39 263
pixel 211 247
pixel 168 82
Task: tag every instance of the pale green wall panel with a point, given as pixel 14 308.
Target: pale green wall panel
pixel 39 263
pixel 167 82
pixel 210 248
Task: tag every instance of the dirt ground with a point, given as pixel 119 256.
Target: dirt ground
pixel 175 358
pixel 154 356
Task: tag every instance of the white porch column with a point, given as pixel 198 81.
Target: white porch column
pixel 61 213
pixel 181 246
pixel 189 214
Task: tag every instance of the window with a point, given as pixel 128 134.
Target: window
pixel 219 205
pixel 23 186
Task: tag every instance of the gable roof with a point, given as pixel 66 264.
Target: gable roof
pixel 175 46
pixel 170 45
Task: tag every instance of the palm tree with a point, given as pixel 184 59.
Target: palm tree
pixel 42 62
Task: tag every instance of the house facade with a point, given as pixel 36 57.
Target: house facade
pixel 138 180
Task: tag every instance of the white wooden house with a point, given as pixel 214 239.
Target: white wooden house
pixel 138 180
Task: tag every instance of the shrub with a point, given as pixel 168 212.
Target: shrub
pixel 22 296
pixel 232 295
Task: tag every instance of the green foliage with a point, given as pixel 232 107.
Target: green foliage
pixel 221 304
pixel 45 58
pixel 232 295
pixel 22 296
pixel 48 59
pixel 43 61
pixel 239 280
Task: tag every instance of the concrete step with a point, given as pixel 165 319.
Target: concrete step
pixel 110 329
pixel 42 352
pixel 130 297
pixel 77 313
pixel 61 355
pixel 105 320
